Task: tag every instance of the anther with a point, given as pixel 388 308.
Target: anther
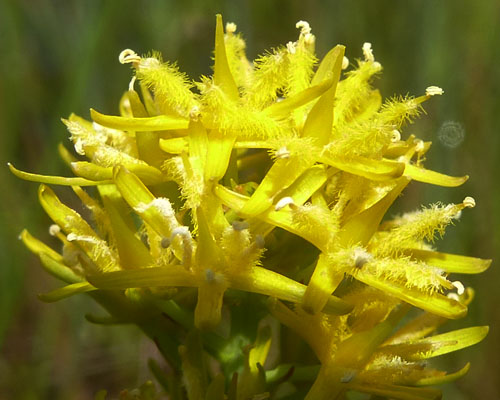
pixel 395 136
pixel 165 242
pixel 194 113
pixel 184 233
pixel 434 91
pixel 128 56
pixel 460 287
pixel 453 296
pixel 419 145
pixel 54 230
pixel 282 152
pixel 361 257
pixel 290 46
pixel 209 275
pixel 304 27
pixel 469 202
pixel 368 52
pixel 260 242
pixel 231 27
pixel 345 62
pixel 240 225
pixel 282 203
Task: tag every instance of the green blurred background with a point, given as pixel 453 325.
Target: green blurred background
pixel 61 56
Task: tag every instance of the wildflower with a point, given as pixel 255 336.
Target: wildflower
pixel 211 168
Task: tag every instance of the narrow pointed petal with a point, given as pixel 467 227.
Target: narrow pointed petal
pixel 55 180
pixel 174 145
pixel 133 253
pixel 58 269
pixel 148 174
pixel 444 378
pixel 143 278
pixel 208 311
pixel 330 64
pixel 435 303
pixel 432 177
pixel 437 345
pixel 66 291
pixel 161 218
pixel 65 154
pixel 398 392
pixel 219 151
pixel 283 108
pixel 222 73
pixel 37 247
pixel 73 224
pixel 323 283
pixel 377 170
pixel 147 124
pixel 319 121
pixel 270 283
pixel 450 263
pixel 360 228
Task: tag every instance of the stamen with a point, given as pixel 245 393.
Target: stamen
pixel 285 201
pixel 187 242
pixel 240 225
pixel 345 62
pixel 54 230
pixel 396 136
pixel 460 287
pixel 368 52
pixel 434 91
pixel 209 275
pixel 420 146
pixel 131 84
pixel 361 257
pixel 304 27
pixel 128 56
pixel 231 27
pixel 453 296
pixel 282 152
pixel 469 202
pixel 194 113
pixel 291 47
pixel 165 242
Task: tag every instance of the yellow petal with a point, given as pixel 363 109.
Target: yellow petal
pixel 360 228
pixel 148 174
pixel 65 154
pixel 445 378
pixel 58 269
pixel 377 170
pixel 330 64
pixel 208 311
pixel 37 247
pixel 282 108
pixel 55 180
pixel 222 73
pixel 219 151
pixel 319 121
pixel 437 345
pixel 174 145
pixel 435 303
pixel 133 253
pixel 270 283
pixel 398 392
pixel 138 196
pixel 450 263
pixel 323 283
pixel 143 278
pixel 432 177
pixel 66 291
pixel 158 123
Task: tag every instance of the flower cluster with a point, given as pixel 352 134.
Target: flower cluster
pixel 240 218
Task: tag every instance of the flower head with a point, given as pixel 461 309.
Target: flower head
pixel 207 185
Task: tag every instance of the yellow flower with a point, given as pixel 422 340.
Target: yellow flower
pixel 194 178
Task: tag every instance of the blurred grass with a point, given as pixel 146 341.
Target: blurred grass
pixel 60 57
